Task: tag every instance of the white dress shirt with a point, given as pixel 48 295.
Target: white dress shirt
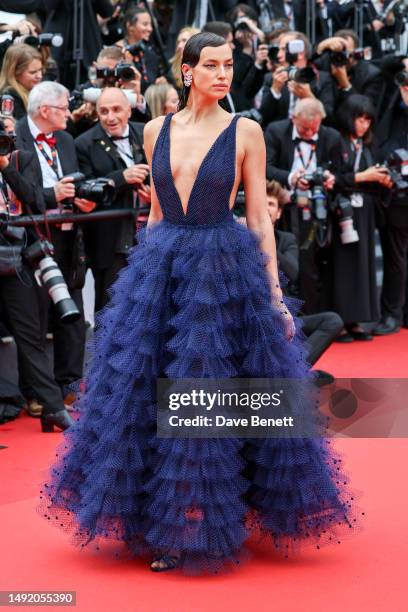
pixel 309 157
pixel 48 174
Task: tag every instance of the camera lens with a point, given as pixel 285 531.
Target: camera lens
pixel 6 144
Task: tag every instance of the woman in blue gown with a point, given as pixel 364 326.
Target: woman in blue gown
pixel 199 298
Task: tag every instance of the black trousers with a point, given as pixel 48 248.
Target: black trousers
pixel 320 329
pixel 105 277
pixel 394 244
pixel 21 311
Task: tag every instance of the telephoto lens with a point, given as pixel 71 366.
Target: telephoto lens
pixel 50 276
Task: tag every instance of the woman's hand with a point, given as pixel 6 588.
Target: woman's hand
pixel 374 174
pixel 287 319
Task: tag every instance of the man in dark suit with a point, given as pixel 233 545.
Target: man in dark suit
pixel 21 193
pixel 392 134
pixel 279 95
pixel 113 149
pixel 42 133
pixel 356 75
pixel 294 148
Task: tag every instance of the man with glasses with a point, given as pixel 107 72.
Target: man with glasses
pixel 42 132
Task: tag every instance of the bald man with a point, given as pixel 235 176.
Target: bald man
pixel 113 148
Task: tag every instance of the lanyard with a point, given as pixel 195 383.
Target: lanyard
pixel 312 152
pixel 358 151
pixel 51 161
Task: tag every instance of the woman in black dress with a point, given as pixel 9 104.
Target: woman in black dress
pixel 364 183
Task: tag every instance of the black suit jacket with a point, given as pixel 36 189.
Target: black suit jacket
pixel 280 150
pixel 66 153
pixel 273 109
pixel 98 157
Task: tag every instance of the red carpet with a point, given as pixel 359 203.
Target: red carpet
pixel 366 572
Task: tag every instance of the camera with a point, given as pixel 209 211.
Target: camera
pixel 42 40
pixel 293 48
pixel 341 58
pixel 122 71
pixel 397 165
pixel 47 274
pixel 7 141
pixel 91 94
pixel 240 25
pixel 401 78
pixel 99 190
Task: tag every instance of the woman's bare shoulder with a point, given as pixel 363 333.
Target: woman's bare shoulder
pixel 249 128
pixel 153 127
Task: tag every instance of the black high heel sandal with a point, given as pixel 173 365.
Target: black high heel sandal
pixel 169 562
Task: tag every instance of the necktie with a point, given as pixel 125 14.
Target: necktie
pixel 50 140
pixel 299 140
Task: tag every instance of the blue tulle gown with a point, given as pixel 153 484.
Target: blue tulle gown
pixel 193 302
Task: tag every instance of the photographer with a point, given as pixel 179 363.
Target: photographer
pixel 361 181
pixel 392 135
pixel 19 189
pixel 295 148
pixel 282 89
pixel 351 73
pixel 113 148
pixel 109 70
pixel 42 133
pixel 138 25
pixel 22 69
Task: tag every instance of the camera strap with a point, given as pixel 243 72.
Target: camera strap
pixel 312 152
pixel 51 161
pixel 30 212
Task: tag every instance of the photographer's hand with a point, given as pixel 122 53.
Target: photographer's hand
pixel 261 55
pixel 329 180
pixel 301 90
pixel 335 43
pixel 86 110
pixel 133 85
pixel 279 78
pixel 4 162
pixel 64 189
pixel 145 193
pixel 341 76
pixel 136 173
pixel 374 174
pixel 86 206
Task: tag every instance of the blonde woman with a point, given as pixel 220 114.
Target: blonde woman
pixel 22 69
pixel 175 61
pixel 161 99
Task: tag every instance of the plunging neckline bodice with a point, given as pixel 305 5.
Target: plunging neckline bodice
pixel 214 144
pixel 209 198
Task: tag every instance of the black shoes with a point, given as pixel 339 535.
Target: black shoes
pixel 322 378
pixel 59 419
pixel 386 326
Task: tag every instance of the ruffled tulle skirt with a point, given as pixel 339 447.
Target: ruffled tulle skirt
pixel 193 302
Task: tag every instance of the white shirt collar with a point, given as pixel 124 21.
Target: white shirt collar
pixel 124 135
pixel 34 129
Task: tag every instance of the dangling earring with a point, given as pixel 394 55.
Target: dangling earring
pixel 188 79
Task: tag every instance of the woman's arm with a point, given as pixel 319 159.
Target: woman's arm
pixel 150 134
pixel 258 220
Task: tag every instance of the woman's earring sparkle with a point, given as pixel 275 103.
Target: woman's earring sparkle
pixel 188 79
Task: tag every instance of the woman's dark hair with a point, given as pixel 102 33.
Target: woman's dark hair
pixel 191 56
pixel 356 106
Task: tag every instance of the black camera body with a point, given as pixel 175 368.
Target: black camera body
pixel 36 251
pixel 7 143
pixel 401 78
pixel 316 178
pixel 293 48
pixel 122 71
pixel 99 190
pixel 397 165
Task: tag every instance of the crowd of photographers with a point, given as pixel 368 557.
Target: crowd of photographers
pixel 328 82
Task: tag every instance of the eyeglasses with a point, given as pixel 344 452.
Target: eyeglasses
pixel 62 108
